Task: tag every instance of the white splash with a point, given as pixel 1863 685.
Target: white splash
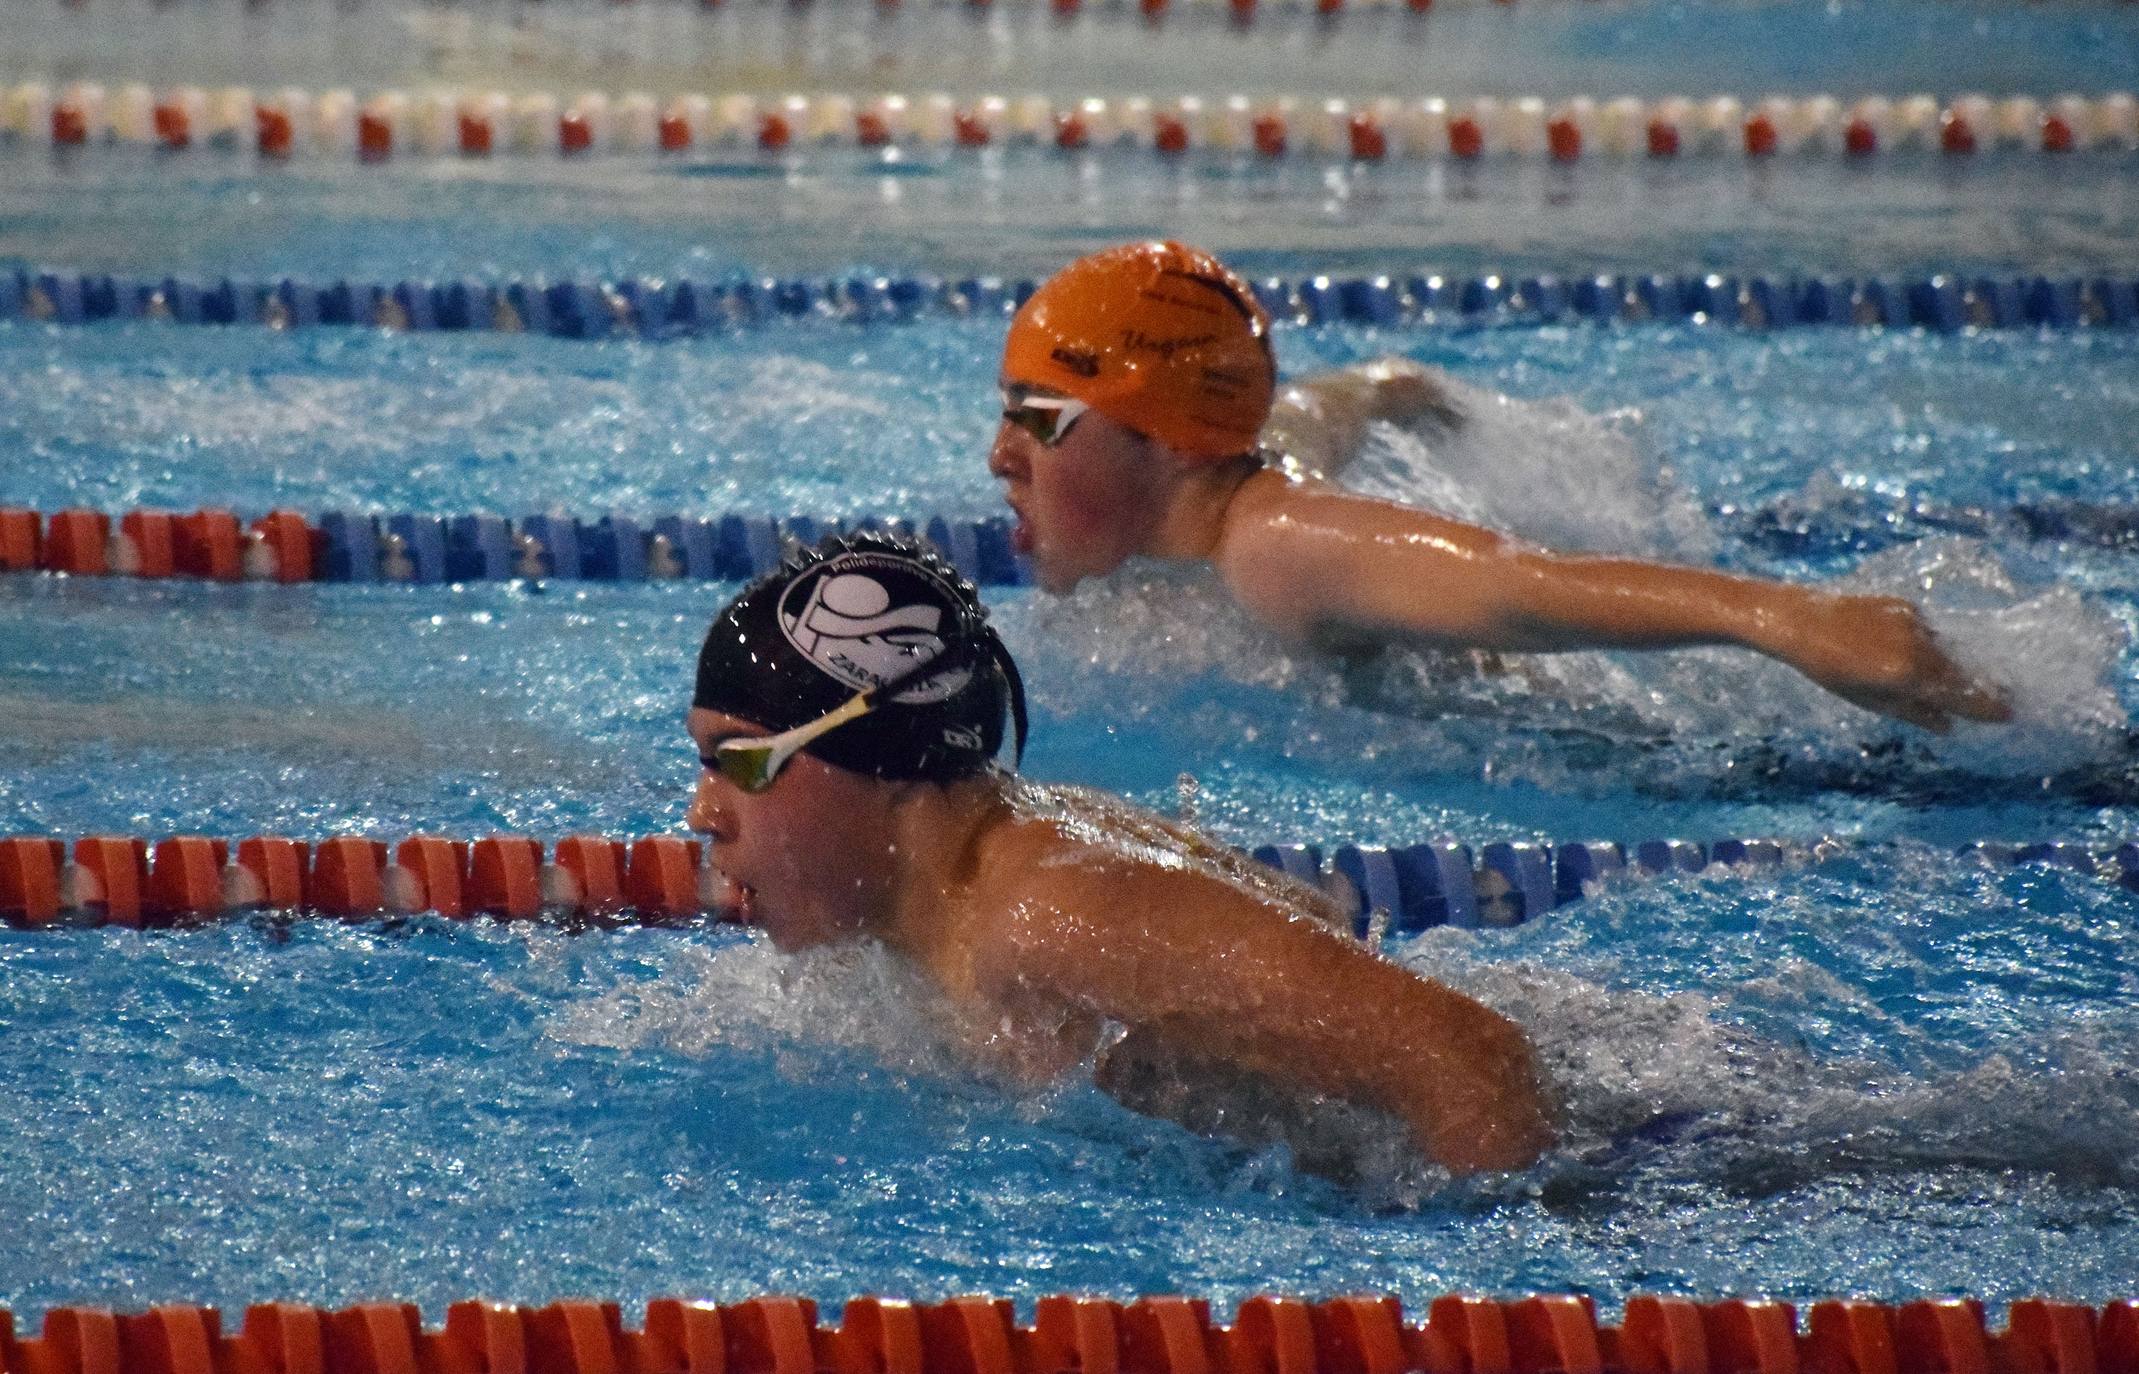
pixel 1546 471
pixel 1638 1072
pixel 747 996
pixel 2049 648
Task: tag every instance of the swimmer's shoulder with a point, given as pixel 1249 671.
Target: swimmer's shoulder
pixel 1050 833
pixel 1283 541
pixel 1080 854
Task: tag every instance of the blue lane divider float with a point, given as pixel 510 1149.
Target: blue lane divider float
pixel 619 548
pixel 1416 887
pixel 657 310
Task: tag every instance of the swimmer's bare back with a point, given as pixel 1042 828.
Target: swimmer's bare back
pixel 1084 912
pixel 1317 562
pixel 1318 424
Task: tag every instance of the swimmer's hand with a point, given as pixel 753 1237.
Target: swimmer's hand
pixel 1877 652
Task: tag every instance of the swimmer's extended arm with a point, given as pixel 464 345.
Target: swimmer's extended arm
pixel 1311 558
pixel 1217 976
pixel 1319 422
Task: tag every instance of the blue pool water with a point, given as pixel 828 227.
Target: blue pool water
pixel 1023 212
pixel 1904 1072
pixel 1884 1070
pixel 1464 47
pixel 1894 1096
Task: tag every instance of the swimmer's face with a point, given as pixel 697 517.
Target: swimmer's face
pixel 1083 503
pixel 808 857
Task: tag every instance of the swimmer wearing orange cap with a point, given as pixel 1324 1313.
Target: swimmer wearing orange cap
pixel 1142 417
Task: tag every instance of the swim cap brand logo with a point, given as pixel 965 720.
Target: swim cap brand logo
pixel 1203 305
pixel 1137 341
pixel 1077 360
pixel 1226 385
pixel 863 619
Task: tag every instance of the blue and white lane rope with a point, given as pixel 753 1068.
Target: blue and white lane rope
pixel 1416 887
pixel 655 309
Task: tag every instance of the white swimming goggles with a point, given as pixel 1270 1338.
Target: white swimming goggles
pixel 1045 418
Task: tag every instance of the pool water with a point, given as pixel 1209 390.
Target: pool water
pixel 1894 1070
pixel 1904 1077
pixel 1883 1068
pixel 1021 212
pixel 1464 47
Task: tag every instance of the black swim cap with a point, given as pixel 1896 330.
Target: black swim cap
pixel 853 613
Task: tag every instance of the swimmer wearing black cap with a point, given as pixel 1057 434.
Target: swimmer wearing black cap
pixel 1142 418
pixel 848 711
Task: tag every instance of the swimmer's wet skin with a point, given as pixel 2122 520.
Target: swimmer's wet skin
pixel 1186 450
pixel 1058 924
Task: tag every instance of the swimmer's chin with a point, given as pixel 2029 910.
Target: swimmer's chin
pixel 1051 572
pixel 1054 579
pixel 791 939
pixel 742 906
pixel 1059 578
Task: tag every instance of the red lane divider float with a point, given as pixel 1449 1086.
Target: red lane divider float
pixel 1548 1334
pixel 182 879
pixel 208 544
pixel 475 124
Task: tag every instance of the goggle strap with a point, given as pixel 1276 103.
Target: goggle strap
pixel 778 749
pixel 998 652
pixel 1001 654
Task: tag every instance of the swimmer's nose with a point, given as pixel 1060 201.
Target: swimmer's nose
pixel 1004 459
pixel 705 815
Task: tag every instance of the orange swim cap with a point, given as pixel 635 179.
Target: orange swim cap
pixel 1157 336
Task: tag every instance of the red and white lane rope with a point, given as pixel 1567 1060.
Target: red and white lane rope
pixel 445 123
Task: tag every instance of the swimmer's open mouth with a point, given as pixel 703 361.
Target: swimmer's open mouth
pixel 733 902
pixel 1020 532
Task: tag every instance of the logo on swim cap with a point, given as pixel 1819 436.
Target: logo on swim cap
pixel 1077 360
pixel 864 618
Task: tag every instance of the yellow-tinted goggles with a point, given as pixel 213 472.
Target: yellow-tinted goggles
pixel 751 764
